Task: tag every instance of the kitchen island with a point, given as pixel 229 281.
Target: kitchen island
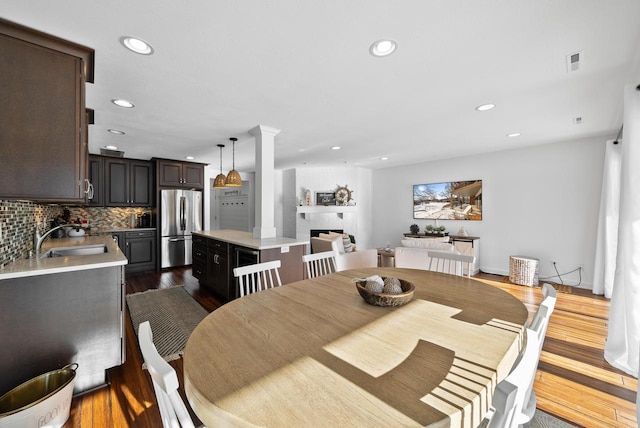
pixel 217 252
pixel 64 306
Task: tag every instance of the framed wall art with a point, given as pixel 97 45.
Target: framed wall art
pixel 327 197
pixel 451 200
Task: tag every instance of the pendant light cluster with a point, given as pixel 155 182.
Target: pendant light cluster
pixel 233 178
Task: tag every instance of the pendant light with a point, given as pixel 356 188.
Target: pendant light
pixel 219 182
pixel 233 177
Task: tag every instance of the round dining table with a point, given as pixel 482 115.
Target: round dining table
pixel 314 353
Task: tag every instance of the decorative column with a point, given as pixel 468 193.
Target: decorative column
pixel 265 186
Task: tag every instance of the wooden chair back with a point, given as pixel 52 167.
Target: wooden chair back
pixel 173 411
pixel 257 277
pixel 319 264
pixel 451 262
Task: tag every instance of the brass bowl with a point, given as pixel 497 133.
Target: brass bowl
pixel 385 299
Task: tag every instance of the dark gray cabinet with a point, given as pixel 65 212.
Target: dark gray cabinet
pixel 173 173
pixel 128 182
pixel 214 260
pixel 219 269
pixel 211 266
pixel 43 130
pixel 52 320
pixel 199 258
pixel 96 178
pixel 140 250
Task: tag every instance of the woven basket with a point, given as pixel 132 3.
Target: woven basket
pixel 523 270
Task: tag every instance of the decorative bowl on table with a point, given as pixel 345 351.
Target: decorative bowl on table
pixel 386 299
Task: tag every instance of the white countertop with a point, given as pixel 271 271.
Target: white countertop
pixel 246 239
pixel 48 265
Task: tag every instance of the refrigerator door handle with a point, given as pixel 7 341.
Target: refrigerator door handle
pixel 183 221
pixel 177 239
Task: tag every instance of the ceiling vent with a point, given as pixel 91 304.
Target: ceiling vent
pixel 574 61
pixel 114 153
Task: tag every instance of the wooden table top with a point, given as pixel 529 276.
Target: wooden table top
pixel 313 353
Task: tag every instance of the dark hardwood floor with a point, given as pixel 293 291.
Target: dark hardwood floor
pixel 573 381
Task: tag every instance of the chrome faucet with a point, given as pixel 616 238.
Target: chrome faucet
pixel 38 240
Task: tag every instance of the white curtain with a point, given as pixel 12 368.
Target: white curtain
pixel 604 267
pixel 623 344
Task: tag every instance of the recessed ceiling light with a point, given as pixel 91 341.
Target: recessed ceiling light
pixel 515 134
pixel 111 147
pixel 116 131
pixel 335 148
pixel 384 158
pixel 189 158
pixel 485 107
pixel 383 47
pixel 123 103
pixel 136 45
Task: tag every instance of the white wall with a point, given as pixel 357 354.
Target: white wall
pixel 538 201
pixel 359 181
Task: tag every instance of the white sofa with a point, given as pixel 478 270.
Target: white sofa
pixel 414 253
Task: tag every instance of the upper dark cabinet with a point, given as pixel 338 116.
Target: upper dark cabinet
pixel 173 173
pixel 96 178
pixel 43 123
pixel 128 182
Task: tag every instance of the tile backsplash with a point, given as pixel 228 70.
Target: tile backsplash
pixel 17 224
pixel 18 220
pixel 106 219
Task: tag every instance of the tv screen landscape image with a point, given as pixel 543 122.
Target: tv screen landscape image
pixel 451 200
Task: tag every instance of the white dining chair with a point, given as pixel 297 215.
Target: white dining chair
pixel 412 258
pixel 319 264
pixel 451 262
pixel 540 320
pixel 539 325
pixel 357 259
pixel 173 411
pixel 509 406
pixel 257 277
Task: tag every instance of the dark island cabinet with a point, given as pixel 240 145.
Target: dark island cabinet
pixel 214 260
pixel 199 258
pixel 43 130
pixel 128 183
pixel 172 173
pixel 219 269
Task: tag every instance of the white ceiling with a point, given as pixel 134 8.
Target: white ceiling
pixel 221 67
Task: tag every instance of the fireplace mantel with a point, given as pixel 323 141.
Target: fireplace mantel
pixel 307 211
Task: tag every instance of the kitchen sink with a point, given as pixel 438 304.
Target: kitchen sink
pixel 86 250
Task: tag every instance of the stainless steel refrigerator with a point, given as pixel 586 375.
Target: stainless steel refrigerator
pixel 180 214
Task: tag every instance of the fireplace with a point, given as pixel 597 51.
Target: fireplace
pixel 314 233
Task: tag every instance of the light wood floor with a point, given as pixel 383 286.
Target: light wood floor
pixel 573 381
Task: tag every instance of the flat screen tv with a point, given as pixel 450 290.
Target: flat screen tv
pixel 451 200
